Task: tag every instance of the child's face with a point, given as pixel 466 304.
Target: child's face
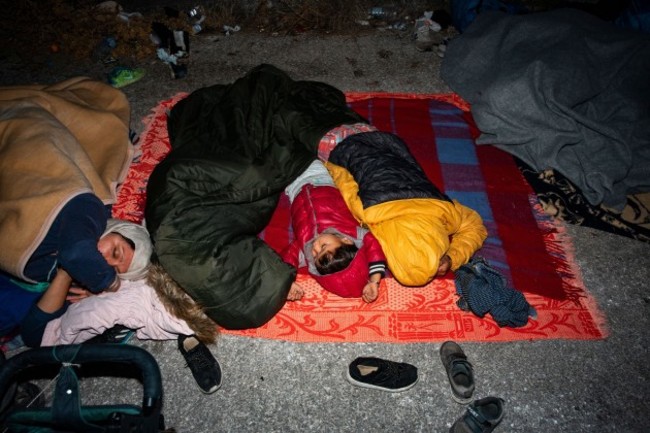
pixel 326 243
pixel 116 251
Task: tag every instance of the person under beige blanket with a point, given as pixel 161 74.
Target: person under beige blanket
pixel 57 142
pixel 64 148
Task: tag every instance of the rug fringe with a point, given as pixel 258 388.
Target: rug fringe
pixel 160 109
pixel 560 246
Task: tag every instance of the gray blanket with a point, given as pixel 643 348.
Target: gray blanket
pixel 562 90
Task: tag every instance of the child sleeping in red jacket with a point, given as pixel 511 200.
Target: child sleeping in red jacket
pixel 340 255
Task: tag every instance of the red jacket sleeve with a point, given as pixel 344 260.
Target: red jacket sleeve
pixel 291 254
pixel 374 253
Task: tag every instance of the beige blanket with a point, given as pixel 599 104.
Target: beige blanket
pixel 56 141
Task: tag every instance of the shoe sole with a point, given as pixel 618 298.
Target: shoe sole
pixel 126 337
pixel 460 400
pixel 211 390
pixel 125 83
pixel 355 382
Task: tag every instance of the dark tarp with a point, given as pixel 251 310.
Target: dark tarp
pixel 562 90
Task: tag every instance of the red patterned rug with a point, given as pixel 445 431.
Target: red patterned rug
pixel 524 244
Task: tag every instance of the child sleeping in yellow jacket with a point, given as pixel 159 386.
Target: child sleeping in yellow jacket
pixel 422 232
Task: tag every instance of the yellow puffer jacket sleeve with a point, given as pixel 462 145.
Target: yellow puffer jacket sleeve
pixel 467 236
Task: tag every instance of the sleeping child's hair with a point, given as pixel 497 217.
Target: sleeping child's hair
pixel 337 260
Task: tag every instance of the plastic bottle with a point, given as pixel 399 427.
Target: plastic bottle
pixel 383 12
pixel 197 17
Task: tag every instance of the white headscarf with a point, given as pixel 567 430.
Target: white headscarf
pixel 143 247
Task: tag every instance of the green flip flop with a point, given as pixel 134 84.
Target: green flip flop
pixel 121 76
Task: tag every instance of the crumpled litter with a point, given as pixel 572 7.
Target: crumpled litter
pixel 164 55
pixel 425 21
pixel 228 29
pixel 126 17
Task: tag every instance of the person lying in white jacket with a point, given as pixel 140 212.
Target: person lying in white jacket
pixel 136 306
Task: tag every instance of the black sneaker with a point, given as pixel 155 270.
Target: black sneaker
pixel 204 366
pixel 118 334
pixel 482 416
pixel 381 374
pixel 459 372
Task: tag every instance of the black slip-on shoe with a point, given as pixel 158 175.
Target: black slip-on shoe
pixel 459 372
pixel 482 416
pixel 381 374
pixel 118 334
pixel 204 366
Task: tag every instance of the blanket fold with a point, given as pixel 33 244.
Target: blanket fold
pixel 56 142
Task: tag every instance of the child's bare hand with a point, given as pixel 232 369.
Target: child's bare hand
pixel 295 292
pixel 76 294
pixel 370 292
pixel 445 265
